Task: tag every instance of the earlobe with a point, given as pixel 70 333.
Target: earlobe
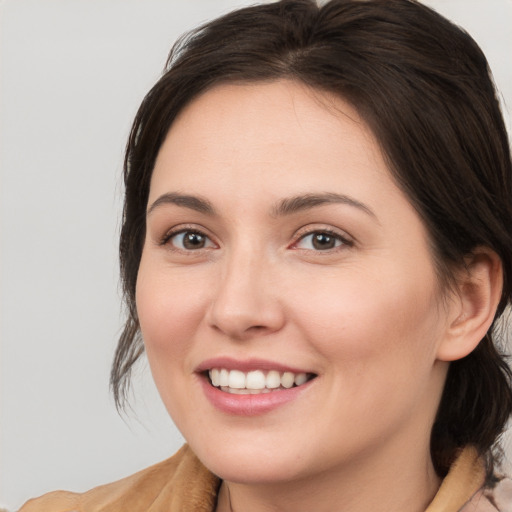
pixel 479 288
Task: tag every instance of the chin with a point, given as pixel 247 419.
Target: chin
pixel 254 465
pixel 269 472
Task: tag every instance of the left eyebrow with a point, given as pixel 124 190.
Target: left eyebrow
pixel 198 204
pixel 303 202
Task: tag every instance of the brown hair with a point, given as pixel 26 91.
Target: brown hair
pixel 424 88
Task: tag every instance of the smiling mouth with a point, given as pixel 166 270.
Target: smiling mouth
pixel 256 381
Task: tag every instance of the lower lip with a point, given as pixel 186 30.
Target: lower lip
pixel 250 405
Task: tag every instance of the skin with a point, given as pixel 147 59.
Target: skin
pixel 367 317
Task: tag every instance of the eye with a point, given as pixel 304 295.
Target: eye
pixel 189 240
pixel 321 241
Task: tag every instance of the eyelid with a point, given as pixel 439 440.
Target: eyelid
pixel 347 240
pixel 185 228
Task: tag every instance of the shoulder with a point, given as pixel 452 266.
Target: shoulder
pixel 58 501
pixel 501 495
pixel 181 480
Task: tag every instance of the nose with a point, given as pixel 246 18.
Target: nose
pixel 245 302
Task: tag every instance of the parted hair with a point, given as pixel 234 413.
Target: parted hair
pixel 424 88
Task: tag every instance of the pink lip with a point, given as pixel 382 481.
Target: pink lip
pixel 246 366
pixel 250 405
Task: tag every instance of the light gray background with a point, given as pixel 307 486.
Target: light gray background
pixel 73 73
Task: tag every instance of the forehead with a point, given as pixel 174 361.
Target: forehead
pixel 267 130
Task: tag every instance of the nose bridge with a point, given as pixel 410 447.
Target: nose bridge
pixel 244 302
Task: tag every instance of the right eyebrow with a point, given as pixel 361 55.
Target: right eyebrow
pixel 196 203
pixel 303 202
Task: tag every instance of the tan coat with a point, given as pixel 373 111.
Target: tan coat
pixel 183 484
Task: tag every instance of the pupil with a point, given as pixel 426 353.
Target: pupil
pixel 193 241
pixel 323 241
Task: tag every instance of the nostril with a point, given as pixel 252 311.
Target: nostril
pixel 243 305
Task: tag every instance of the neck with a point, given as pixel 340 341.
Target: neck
pixel 380 483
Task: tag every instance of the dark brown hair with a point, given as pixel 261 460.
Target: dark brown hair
pixel 424 88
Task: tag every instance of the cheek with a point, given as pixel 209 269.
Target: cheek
pixel 385 320
pixel 169 311
pixel 378 340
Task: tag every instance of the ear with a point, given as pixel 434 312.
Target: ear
pixel 473 305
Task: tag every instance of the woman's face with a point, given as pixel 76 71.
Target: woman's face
pixel 279 251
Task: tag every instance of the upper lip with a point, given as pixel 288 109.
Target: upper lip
pixel 246 365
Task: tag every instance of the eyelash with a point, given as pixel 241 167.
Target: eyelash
pixel 343 240
pixel 183 231
pixel 340 240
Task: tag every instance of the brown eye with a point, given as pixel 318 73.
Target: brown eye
pixel 193 241
pixel 190 240
pixel 321 241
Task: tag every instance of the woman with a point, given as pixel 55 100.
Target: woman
pixel 316 250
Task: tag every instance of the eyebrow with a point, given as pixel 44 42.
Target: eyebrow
pixel 303 202
pixel 198 204
pixel 287 206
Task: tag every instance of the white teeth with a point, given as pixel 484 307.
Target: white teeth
pixel 214 375
pixel 287 380
pixel 273 380
pixel 300 379
pixel 255 381
pixel 223 378
pixel 239 391
pixel 236 379
pixel 234 391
